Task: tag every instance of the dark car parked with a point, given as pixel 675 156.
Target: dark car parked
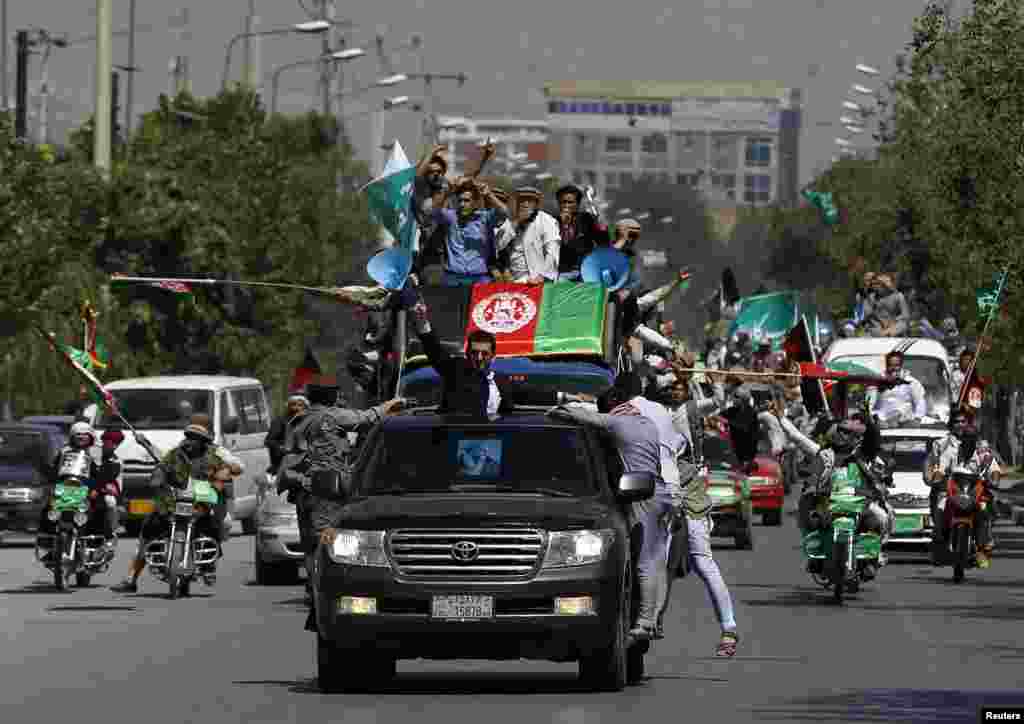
pixel 26 453
pixel 62 422
pixel 475 539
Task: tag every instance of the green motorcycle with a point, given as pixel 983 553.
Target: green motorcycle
pixel 846 555
pixel 188 551
pixel 77 547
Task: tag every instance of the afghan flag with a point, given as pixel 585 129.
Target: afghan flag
pixel 390 197
pixel 168 285
pixel 799 348
pixel 548 319
pixel 305 372
pixel 78 360
pixel 769 315
pixel 989 297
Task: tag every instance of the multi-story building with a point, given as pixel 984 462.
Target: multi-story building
pixel 521 141
pixel 736 142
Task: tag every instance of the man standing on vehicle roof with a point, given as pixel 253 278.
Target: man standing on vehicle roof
pixel 532 253
pixel 581 232
pixel 636 439
pixel 317 440
pixel 960 447
pixel 196 457
pixel 676 417
pixel 902 402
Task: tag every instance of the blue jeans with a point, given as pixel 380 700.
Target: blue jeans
pixel 451 279
pixel 652 572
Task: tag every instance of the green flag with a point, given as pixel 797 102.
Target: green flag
pixel 822 200
pixel 988 297
pixel 390 196
pixel 768 315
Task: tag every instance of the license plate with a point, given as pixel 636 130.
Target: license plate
pixel 183 509
pixel 463 607
pixel 141 507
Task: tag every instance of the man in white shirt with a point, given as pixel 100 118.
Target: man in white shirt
pixel 903 402
pixel 530 254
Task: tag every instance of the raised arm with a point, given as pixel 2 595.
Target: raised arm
pixel 802 441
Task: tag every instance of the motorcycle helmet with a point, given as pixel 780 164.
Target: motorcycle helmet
pixel 846 436
pixel 82 434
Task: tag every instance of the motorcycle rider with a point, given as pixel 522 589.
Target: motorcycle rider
pixel 317 440
pixel 196 457
pixel 960 447
pixel 848 440
pixel 81 437
pixel 636 440
pixel 900 403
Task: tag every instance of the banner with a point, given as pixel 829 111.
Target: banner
pixel 769 315
pixel 390 198
pixel 538 319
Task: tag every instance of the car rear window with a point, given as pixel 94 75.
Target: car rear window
pixel 474 459
pixel 22 448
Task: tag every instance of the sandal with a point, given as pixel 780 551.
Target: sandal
pixel 727 646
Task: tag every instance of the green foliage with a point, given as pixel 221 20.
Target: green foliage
pixel 220 191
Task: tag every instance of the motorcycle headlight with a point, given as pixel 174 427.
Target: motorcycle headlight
pixel 577 547
pixel 81 519
pixel 53 516
pixel 359 548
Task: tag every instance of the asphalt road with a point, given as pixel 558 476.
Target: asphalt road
pixel 911 647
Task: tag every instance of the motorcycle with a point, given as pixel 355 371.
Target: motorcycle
pixel 185 554
pixel 965 498
pixel 76 548
pixel 848 555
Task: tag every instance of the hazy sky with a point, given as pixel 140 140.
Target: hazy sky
pixel 509 48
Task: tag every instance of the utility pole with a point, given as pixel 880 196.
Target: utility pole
pixel 130 83
pixel 326 13
pixel 251 73
pixel 115 87
pixel 3 55
pixel 101 118
pixel 22 86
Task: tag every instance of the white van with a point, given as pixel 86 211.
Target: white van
pixel 160 407
pixel 925 359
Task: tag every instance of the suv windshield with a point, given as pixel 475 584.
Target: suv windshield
pixel 157 409
pixel 929 371
pixel 455 460
pixel 908 455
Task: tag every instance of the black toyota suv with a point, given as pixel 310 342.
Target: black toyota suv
pixel 467 538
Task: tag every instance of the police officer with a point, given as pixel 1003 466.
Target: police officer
pixel 317 439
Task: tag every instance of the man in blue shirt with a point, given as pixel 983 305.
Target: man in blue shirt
pixel 469 234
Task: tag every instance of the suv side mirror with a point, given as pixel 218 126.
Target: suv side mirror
pixel 327 484
pixel 634 487
pixel 231 426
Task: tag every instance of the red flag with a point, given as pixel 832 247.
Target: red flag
pixel 305 372
pixel 798 348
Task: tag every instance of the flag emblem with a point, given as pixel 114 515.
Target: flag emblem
pixel 504 312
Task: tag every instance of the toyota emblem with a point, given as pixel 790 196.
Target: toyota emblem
pixel 465 551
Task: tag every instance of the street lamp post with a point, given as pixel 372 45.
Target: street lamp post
pixel 101 115
pixel 311 28
pixel 341 55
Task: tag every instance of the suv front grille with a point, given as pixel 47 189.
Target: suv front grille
pixel 467 553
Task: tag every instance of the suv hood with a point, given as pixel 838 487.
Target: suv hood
pixel 461 509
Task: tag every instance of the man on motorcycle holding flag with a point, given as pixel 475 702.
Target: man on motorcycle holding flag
pixel 196 457
pixel 846 441
pixel 960 448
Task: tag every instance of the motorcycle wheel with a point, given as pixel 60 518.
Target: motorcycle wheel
pixel 58 562
pixel 82 580
pixel 185 589
pixel 839 555
pixel 961 548
pixel 174 589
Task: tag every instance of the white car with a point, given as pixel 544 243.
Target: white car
pixel 909 497
pixel 277 553
pixel 159 408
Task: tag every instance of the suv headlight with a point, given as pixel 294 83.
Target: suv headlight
pixel 577 547
pixel 359 548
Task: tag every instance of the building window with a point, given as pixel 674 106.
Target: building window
pixel 759 152
pixel 724 184
pixel 631 109
pixel 654 143
pixel 690 180
pixel 666 109
pixel 618 144
pixel 552 106
pixel 757 189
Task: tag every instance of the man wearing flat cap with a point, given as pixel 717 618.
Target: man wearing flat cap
pixel 531 255
pixel 196 457
pixel 580 231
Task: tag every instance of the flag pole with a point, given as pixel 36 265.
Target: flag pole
pixel 984 331
pixel 330 291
